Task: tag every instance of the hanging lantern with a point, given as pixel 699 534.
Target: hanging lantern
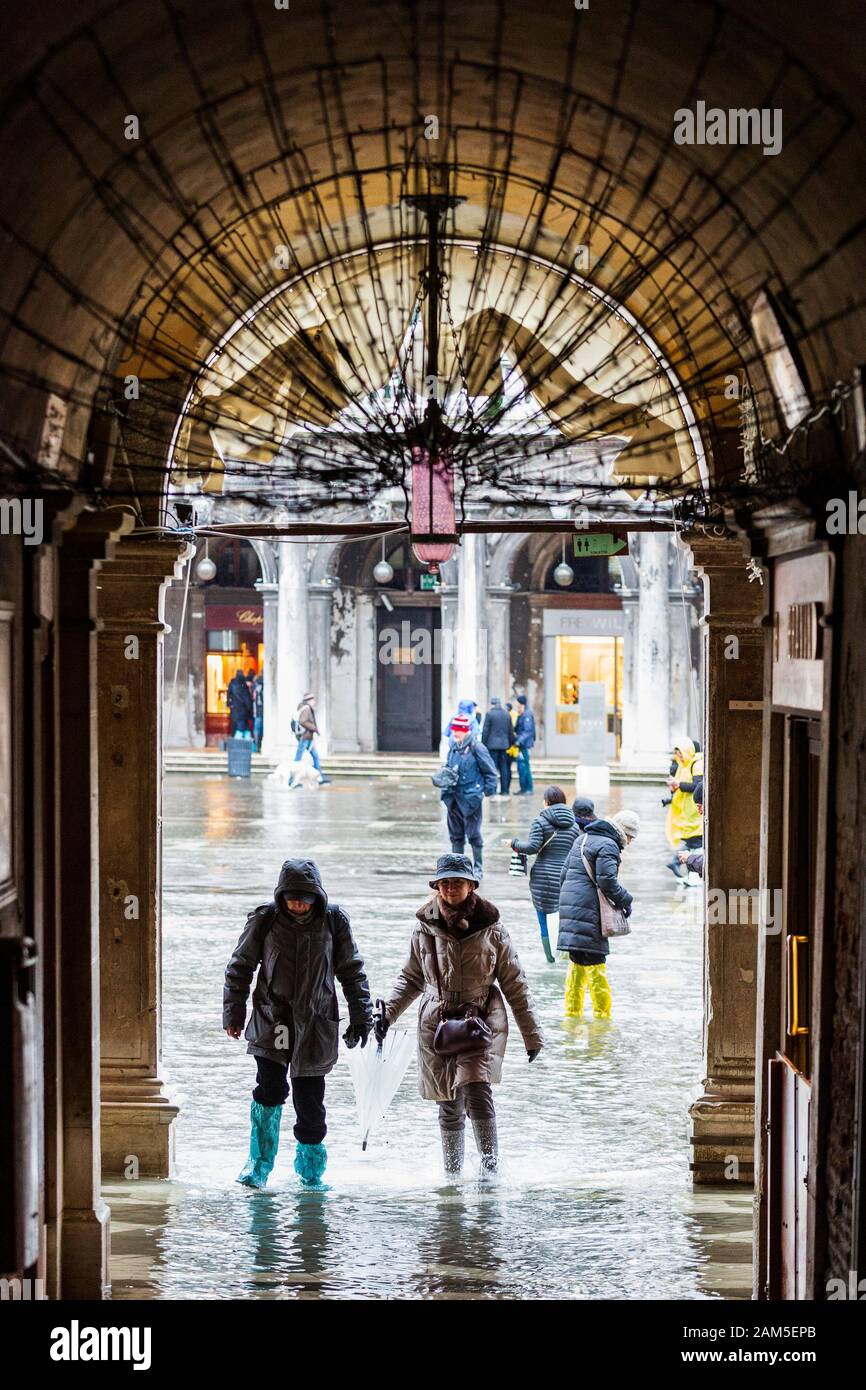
pixel 383 572
pixel 563 574
pixel 205 569
pixel 433 518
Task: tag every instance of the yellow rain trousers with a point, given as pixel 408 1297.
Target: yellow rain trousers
pixel 576 981
pixel 684 818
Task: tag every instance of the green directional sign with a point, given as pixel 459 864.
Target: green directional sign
pixel 599 543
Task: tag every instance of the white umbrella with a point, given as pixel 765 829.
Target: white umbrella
pixel 377 1071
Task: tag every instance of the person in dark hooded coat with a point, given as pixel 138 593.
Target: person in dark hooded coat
pixel 580 934
pixel 240 703
pixel 551 836
pixel 300 944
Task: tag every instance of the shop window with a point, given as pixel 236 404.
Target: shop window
pixel 588 659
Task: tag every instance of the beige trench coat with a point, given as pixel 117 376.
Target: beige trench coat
pixel 475 969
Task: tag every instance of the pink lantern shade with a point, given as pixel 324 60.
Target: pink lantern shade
pixel 432 505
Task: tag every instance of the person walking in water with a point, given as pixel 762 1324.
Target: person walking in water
pixel 551 836
pixel 475 779
pixel 524 731
pixel 461 957
pixel 307 728
pixel 496 735
pixel 300 943
pixel 601 846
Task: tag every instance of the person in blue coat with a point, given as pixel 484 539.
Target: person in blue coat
pixel 524 731
pixel 476 778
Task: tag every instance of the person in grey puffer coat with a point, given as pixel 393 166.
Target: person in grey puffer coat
pixel 300 944
pixel 580 933
pixel 551 836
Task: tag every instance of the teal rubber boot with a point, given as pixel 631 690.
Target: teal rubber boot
pixel 310 1161
pixel 264 1142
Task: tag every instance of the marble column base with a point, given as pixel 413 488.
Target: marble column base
pixel 137 1124
pixel 723 1137
pixel 84 1245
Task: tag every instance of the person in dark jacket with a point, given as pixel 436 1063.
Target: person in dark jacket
pixel 524 731
pixel 551 836
pixel 602 844
pixel 240 703
pixel 584 811
pixel 496 735
pixel 299 943
pixel 258 710
pixel 476 778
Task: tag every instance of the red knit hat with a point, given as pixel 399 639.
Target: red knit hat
pixel 460 724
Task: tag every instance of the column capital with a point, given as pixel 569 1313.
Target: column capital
pixel 732 598
pixel 130 583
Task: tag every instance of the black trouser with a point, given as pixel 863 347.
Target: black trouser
pixel 693 842
pixel 308 1098
pixel 503 764
pixel 474 1097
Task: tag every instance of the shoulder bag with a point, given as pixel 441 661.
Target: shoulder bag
pixel 464 1029
pixel 613 920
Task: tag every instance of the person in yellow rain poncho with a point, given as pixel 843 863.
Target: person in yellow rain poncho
pixel 685 827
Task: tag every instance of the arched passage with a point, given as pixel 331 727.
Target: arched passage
pixel 211 165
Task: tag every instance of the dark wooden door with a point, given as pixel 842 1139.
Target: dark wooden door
pixel 408 680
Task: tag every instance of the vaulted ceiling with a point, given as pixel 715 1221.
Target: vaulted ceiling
pixel 270 144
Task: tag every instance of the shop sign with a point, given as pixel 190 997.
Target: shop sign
pixel 583 622
pixel 234 616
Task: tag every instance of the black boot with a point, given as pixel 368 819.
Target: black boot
pixel 478 860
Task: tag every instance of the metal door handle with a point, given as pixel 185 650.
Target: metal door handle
pixel 795 1028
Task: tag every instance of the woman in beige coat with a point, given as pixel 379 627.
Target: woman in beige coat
pixel 461 953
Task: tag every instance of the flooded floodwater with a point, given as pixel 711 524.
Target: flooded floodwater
pixel 594 1198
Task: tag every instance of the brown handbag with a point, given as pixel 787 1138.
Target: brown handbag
pixel 463 1030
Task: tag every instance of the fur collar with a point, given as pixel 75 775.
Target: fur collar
pixel 484 915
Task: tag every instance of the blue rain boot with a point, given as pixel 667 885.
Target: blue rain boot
pixel 264 1142
pixel 310 1160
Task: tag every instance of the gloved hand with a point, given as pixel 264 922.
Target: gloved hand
pixel 357 1033
pixel 380 1027
pixel 533 1053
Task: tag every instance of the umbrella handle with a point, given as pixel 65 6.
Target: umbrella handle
pixel 380 1010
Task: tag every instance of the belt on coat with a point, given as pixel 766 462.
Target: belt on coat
pixel 452 998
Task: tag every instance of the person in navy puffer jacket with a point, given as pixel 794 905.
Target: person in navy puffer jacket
pixel 476 778
pixel 580 932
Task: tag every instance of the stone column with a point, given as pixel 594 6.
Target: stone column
pixel 137 1114
pixel 630 639
pixel 82 1216
pixel 471 632
pixel 270 628
pixel 499 642
pixel 293 640
pixel 366 658
pixel 723 1116
pixel 448 607
pixel 653 653
pixel 320 596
